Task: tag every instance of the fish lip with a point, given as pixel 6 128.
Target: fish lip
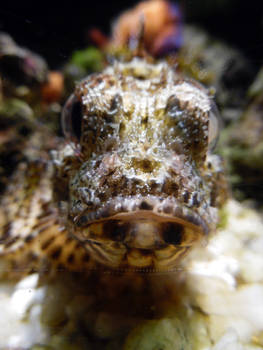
pixel 140 208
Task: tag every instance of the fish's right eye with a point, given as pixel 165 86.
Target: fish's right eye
pixel 72 119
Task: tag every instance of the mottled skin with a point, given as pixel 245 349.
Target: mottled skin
pixel 136 185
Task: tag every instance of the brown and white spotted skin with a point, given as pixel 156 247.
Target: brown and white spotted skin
pixel 135 186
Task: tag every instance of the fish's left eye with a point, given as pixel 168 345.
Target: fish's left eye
pixel 72 119
pixel 214 127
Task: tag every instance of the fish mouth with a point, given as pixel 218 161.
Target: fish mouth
pixel 140 233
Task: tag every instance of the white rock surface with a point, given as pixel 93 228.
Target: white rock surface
pixel 223 286
pixel 20 307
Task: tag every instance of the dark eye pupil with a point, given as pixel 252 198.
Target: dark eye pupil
pixel 76 118
pixel 72 119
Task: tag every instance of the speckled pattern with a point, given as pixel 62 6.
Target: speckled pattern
pixel 134 186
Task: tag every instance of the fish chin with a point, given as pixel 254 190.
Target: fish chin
pixel 144 239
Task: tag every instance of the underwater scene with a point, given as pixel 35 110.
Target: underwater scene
pixel 131 176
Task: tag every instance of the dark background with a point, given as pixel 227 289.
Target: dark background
pixel 56 29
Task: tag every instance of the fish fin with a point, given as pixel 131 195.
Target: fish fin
pixel 32 238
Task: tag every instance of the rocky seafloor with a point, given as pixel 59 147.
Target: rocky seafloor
pixel 215 302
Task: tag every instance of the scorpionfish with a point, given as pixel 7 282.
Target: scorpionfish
pixel 135 185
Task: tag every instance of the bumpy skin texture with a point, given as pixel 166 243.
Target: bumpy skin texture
pixel 135 187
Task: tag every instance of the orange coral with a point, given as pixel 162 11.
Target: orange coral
pixel 53 89
pixel 161 20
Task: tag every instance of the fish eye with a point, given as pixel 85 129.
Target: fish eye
pixel 214 127
pixel 72 119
